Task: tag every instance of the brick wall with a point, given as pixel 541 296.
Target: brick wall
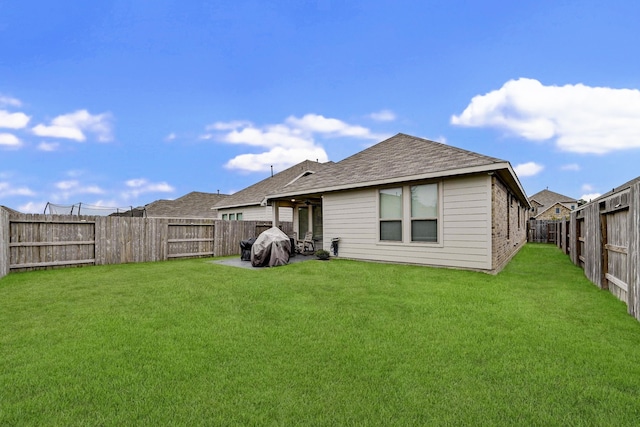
pixel 508 228
pixel 551 214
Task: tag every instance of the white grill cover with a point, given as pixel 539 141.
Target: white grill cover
pixel 271 248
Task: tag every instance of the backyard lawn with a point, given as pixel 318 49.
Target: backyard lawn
pixel 317 343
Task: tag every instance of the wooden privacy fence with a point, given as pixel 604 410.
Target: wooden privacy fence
pixel 542 231
pixel 30 242
pixel 607 244
pixel 604 240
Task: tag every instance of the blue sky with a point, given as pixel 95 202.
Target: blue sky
pixel 120 103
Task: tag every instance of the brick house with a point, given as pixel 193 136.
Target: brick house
pixel 411 200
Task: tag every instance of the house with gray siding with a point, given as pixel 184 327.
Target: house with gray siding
pixel 250 204
pixel 412 200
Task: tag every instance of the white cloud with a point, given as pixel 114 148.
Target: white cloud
pixel 383 116
pixel 587 187
pixel 138 186
pixel 9 101
pixel 581 119
pixel 570 167
pixel 74 187
pixel 74 125
pixel 9 140
pixel 315 123
pixel 171 137
pixel 279 157
pixel 13 120
pixel 528 169
pixel 591 196
pixel 441 139
pixel 48 146
pixel 285 144
pixel 6 189
pixel 32 207
pixel 229 125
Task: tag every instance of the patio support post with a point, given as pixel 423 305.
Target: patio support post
pixel 276 213
pixel 310 218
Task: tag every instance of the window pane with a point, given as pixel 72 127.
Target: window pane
pixel 424 201
pixel 424 230
pixel 239 216
pixel 224 217
pixel 232 217
pixel 391 230
pixel 391 203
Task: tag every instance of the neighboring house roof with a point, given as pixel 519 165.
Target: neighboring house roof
pixel 548 198
pixel 254 195
pixel 401 158
pixel 192 205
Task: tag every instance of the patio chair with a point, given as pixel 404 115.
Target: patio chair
pixel 306 243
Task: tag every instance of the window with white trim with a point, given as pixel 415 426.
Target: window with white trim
pixel 391 214
pixel 424 213
pixel 409 213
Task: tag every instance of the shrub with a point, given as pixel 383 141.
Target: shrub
pixel 322 254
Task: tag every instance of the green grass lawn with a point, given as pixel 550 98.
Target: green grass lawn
pixel 317 343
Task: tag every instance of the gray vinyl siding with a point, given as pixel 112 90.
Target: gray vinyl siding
pixel 465 239
pixel 258 213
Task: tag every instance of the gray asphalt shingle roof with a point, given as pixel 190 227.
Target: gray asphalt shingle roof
pixel 548 198
pixel 397 157
pixel 254 194
pixel 192 205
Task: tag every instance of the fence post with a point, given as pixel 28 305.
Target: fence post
pixel 633 258
pixel 4 242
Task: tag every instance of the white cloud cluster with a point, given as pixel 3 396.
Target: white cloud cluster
pixel 383 116
pixel 69 188
pixel 13 120
pixel 75 125
pixel 528 169
pixel 138 186
pixel 9 140
pixel 286 143
pixel 7 189
pixel 10 120
pixel 570 167
pixel 581 119
pixel 9 101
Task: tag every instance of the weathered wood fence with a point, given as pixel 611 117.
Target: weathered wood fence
pixel 603 238
pixel 606 244
pixel 541 231
pixel 29 242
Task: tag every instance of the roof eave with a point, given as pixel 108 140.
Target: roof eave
pixel 440 174
pixel 238 205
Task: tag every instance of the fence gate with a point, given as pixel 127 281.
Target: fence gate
pixel 35 244
pixel 615 240
pixel 190 240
